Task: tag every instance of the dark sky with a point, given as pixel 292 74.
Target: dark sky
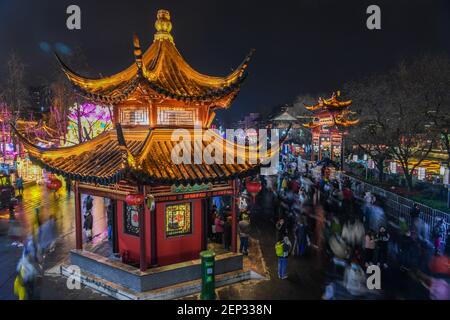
pixel 303 46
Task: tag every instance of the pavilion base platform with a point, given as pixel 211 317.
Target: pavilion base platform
pixel 125 282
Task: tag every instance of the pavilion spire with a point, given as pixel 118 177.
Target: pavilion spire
pixel 163 26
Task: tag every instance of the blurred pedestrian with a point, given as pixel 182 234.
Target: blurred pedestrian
pixel 28 269
pixel 15 231
pixel 369 248
pixel 439 233
pixel 47 235
pixel 301 237
pixel 110 219
pixel 382 240
pixel 227 232
pixel 244 230
pixel 218 223
pixel 282 230
pixel 19 185
pixel 355 279
pixel 88 224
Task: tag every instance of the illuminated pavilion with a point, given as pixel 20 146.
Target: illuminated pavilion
pixel 159 93
pixel 331 118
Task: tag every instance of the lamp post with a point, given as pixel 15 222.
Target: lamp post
pixel 447 182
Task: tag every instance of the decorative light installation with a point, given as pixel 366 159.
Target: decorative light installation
pixel 91 118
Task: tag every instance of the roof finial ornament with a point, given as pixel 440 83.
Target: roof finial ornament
pixel 137 51
pixel 163 26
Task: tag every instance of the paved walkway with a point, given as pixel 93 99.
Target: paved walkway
pixel 62 207
pixel 308 275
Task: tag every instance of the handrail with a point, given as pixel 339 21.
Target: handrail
pixel 402 206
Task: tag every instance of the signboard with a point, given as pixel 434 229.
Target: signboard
pixel 442 171
pixel 178 220
pixel 371 164
pixel 191 188
pixel 190 196
pixel 393 167
pixel 365 157
pixel 355 158
pixel 422 174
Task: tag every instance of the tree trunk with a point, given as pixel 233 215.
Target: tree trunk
pixel 409 180
pixel 80 130
pixel 380 167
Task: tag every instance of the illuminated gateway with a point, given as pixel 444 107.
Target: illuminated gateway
pixel 159 93
pixel 330 123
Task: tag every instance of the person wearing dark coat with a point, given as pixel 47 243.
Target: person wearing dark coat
pixel 301 239
pixel 227 233
pixel 87 226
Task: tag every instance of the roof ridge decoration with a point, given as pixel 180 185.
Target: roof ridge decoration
pixel 137 52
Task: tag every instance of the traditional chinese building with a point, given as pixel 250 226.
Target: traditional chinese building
pixel 331 118
pixel 151 99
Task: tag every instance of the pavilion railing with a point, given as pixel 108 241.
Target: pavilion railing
pixel 401 207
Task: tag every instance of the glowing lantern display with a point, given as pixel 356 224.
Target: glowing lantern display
pixel 134 199
pixel 54 184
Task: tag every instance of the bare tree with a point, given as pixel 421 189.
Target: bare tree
pixel 401 114
pixel 370 99
pixel 14 92
pixel 431 78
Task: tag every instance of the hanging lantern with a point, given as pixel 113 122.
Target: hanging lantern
pixel 54 184
pixel 134 199
pixel 253 187
pixel 150 201
pixel 440 265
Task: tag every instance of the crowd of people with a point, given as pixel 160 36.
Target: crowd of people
pixel 356 232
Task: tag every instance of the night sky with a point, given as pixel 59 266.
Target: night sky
pixel 302 46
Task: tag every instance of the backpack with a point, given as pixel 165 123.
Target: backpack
pixel 279 249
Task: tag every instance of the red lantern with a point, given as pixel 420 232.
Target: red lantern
pixel 254 187
pixel 440 264
pixel 134 199
pixel 54 184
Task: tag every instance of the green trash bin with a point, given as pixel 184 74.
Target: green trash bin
pixel 208 280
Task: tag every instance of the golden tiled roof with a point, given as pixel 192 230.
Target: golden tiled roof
pixel 334 110
pixel 330 104
pixel 146 155
pixel 163 70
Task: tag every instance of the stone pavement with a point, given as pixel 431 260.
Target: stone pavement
pixel 62 207
pixel 307 279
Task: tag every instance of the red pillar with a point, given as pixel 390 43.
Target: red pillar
pixel 78 226
pixel 234 220
pixel 153 253
pixel 143 260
